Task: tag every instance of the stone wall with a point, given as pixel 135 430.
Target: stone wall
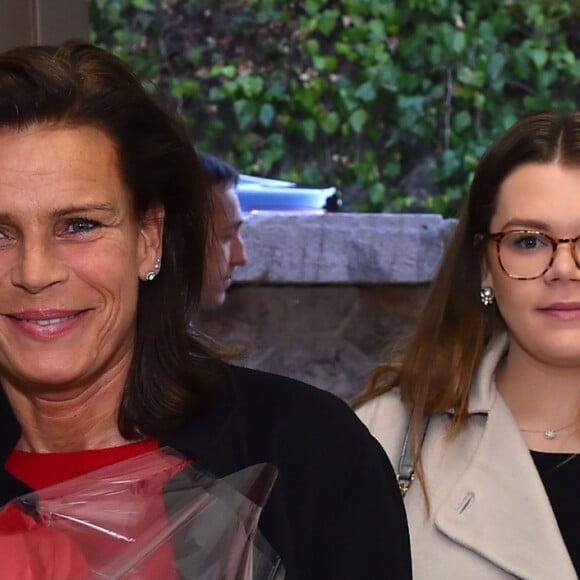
pixel 325 297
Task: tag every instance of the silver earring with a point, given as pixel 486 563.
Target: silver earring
pixel 153 273
pixel 487 295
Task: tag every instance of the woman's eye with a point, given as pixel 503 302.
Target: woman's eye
pixel 5 236
pixel 529 242
pixel 81 226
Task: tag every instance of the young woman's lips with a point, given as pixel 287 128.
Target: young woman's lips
pixel 46 324
pixel 562 310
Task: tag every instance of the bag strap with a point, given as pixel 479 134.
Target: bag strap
pixel 406 471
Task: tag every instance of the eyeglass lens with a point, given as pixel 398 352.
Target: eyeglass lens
pixel 527 254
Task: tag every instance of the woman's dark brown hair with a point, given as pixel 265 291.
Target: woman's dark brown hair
pixel 454 328
pixel 77 84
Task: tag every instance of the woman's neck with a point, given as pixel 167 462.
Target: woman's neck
pixel 542 397
pixel 68 419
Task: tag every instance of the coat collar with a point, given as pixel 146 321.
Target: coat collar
pixel 483 394
pixel 514 526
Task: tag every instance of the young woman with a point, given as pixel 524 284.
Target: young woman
pixel 484 405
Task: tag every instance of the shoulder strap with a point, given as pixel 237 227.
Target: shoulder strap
pixel 406 471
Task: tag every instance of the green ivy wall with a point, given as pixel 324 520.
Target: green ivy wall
pixel 365 95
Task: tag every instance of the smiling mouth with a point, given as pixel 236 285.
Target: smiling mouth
pixel 45 319
pixel 48 321
pixel 46 325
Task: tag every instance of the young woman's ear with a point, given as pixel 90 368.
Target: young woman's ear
pixel 485 270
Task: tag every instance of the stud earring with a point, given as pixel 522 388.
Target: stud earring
pixel 153 273
pixel 487 295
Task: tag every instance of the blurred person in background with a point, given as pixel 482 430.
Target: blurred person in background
pixel 225 249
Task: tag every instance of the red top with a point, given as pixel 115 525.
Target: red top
pixel 41 470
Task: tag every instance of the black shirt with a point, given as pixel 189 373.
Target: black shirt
pixel 335 512
pixel 560 473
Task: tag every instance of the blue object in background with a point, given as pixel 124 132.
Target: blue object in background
pixel 260 193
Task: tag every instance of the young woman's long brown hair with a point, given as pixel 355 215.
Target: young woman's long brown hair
pixel 454 328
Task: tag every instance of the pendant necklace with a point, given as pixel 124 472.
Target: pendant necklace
pixel 549 433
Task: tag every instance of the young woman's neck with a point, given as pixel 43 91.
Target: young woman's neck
pixel 542 397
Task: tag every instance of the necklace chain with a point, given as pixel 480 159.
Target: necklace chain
pixel 549 433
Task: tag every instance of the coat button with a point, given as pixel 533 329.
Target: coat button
pixel 466 502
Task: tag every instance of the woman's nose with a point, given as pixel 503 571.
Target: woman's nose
pixel 37 266
pixel 565 263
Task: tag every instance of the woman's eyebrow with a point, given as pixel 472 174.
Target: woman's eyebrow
pixel 531 223
pixel 83 209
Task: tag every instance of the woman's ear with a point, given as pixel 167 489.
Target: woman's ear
pixel 486 277
pixel 150 243
pixel 484 269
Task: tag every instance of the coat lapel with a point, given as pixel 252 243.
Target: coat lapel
pixel 500 510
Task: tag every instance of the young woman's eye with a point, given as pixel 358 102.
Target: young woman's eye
pixel 529 242
pixel 81 226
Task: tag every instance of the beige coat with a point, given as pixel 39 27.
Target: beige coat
pixel 490 516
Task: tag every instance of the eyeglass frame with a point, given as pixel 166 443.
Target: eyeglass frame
pixel 497 237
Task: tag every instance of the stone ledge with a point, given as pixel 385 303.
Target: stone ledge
pixel 342 248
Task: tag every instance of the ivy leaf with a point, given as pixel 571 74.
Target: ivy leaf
pixel 251 85
pixel 376 193
pixel 458 41
pixel 539 57
pixel 311 7
pixel 144 5
pixel 461 121
pixel 312 46
pixel 478 100
pixel 495 65
pixel 324 63
pixel 308 127
pixel 267 114
pixel 216 94
pixel 245 112
pixel 229 71
pixel 377 28
pixel 575 69
pixel 358 119
pixel 366 92
pixel 326 22
pixel 330 123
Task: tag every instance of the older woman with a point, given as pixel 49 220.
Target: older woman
pixel 102 230
pixel 485 404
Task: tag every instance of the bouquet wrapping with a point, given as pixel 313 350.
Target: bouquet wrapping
pixel 153 517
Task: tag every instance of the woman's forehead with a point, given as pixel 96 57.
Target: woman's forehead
pixel 55 166
pixel 539 194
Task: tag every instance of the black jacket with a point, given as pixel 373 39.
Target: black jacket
pixel 335 511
